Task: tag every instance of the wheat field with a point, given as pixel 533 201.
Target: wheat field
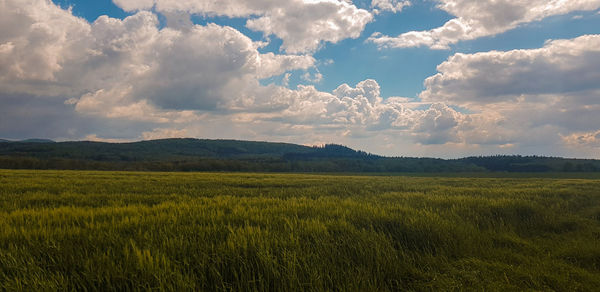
pixel 114 231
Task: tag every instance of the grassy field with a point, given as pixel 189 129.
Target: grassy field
pixel 70 230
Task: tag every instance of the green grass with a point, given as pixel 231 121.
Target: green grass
pixel 74 230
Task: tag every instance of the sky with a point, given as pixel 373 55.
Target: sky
pixel 435 78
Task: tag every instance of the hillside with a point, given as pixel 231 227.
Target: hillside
pixel 234 155
pixel 154 150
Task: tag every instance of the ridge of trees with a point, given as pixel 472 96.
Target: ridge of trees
pixel 188 154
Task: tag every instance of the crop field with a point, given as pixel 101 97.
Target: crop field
pixel 114 231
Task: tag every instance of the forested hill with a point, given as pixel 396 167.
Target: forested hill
pixel 169 150
pixel 234 155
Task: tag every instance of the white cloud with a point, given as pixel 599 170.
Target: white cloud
pixel 475 19
pixel 393 6
pixel 117 104
pixel 531 96
pixel 302 25
pixel 590 139
pixel 270 64
pixel 37 38
pixel 438 125
pixel 315 77
pixel 129 68
pixel 476 80
pixel 285 81
pixel 358 111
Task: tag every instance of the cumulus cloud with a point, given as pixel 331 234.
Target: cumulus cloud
pixel 194 68
pixel 37 38
pixel 590 139
pixel 560 67
pixel 302 25
pixel 269 64
pixel 393 6
pixel 475 19
pixel 361 111
pixel 130 68
pixel 523 95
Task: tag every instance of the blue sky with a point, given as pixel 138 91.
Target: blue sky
pixel 443 78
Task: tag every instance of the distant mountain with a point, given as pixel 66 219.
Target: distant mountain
pixel 4 140
pixel 234 155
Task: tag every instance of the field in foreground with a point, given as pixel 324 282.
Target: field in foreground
pixel 202 231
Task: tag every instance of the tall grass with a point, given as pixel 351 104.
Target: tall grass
pixel 109 231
